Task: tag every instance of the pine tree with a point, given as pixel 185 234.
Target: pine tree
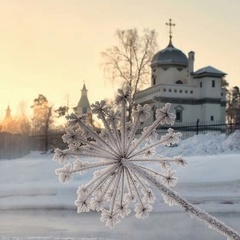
pixel 42 117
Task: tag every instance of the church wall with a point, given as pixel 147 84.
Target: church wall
pixel 190 113
pixel 167 90
pixel 170 75
pixel 213 110
pixel 203 112
pixel 211 87
pixel 223 112
pixel 196 83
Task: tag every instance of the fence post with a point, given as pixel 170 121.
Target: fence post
pixel 197 126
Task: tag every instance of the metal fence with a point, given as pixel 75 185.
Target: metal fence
pixel 15 145
pixel 190 129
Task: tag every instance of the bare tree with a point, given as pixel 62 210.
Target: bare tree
pixel 129 60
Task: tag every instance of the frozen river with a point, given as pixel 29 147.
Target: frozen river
pixel 68 224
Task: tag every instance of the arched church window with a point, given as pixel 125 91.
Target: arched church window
pixel 178 116
pixel 179 113
pixel 179 82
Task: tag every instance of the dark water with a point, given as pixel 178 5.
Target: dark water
pixel 67 223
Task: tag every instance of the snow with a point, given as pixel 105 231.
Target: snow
pixel 29 187
pixel 205 144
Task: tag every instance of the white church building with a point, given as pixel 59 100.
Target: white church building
pixel 196 96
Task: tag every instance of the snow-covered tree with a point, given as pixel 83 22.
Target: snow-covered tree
pixel 124 175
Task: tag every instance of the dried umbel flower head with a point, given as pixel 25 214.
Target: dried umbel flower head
pixel 120 174
pixel 116 184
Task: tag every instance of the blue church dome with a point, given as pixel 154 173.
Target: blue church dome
pixel 170 56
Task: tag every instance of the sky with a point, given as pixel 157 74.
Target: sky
pixel 52 47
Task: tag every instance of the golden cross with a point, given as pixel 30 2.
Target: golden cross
pixel 170 24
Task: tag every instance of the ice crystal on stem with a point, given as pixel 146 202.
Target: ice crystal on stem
pixel 121 176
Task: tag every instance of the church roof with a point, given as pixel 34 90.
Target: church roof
pixel 170 56
pixel 8 116
pixel 209 71
pixel 84 87
pixel 83 102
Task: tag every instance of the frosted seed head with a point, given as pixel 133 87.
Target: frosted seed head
pixel 110 218
pixel 124 95
pixel 148 197
pixel 180 161
pixel 61 155
pixel 100 108
pixel 97 203
pixel 64 173
pixel 116 182
pixel 83 205
pixel 169 179
pixel 122 209
pixel 142 112
pixel 142 210
pixel 73 119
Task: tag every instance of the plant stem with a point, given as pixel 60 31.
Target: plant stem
pixel 211 221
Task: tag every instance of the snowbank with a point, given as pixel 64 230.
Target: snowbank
pixel 205 144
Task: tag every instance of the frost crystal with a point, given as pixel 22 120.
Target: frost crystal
pixel 121 173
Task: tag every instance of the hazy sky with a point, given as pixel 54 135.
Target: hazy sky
pixel 51 47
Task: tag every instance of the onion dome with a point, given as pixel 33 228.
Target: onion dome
pixel 170 56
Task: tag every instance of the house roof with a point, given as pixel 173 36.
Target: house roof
pixel 209 71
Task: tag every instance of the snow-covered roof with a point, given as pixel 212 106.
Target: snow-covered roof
pixel 209 70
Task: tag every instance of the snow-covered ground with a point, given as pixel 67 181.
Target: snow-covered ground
pixel 34 203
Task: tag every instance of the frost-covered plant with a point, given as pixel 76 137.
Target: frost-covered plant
pixel 123 174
